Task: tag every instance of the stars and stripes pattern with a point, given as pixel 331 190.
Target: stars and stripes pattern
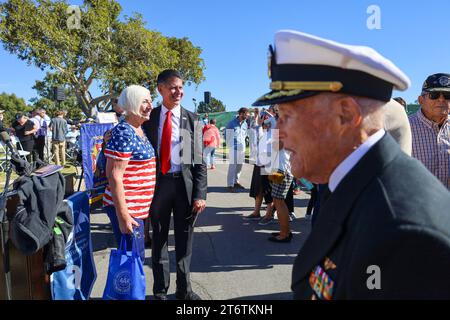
pixel 140 174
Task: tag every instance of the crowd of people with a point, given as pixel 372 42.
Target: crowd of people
pixel 353 149
pixel 43 138
pixel 379 181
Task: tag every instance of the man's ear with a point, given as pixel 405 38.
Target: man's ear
pixel 349 112
pixel 420 100
pixel 159 88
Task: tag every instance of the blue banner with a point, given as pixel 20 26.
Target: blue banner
pixel 91 136
pixel 77 280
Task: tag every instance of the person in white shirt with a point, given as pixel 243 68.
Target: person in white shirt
pixel 260 185
pixel 48 137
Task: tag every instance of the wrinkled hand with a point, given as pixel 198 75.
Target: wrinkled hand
pixel 198 206
pixel 126 225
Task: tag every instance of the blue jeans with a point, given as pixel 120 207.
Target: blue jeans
pixel 138 232
pixel 208 154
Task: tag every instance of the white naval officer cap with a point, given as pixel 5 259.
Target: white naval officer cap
pixel 303 65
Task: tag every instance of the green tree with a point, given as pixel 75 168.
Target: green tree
pixel 12 105
pixel 45 99
pixel 214 105
pixel 94 46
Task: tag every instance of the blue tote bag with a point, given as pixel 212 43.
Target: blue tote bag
pixel 126 278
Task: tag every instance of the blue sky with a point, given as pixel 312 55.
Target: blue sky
pixel 235 35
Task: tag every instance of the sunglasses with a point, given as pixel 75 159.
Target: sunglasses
pixel 436 95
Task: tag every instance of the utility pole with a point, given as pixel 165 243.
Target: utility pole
pixel 195 105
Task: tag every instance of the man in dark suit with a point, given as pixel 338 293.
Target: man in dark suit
pixel 181 184
pixel 383 230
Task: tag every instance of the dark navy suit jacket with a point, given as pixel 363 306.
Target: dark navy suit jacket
pixel 384 233
pixel 194 170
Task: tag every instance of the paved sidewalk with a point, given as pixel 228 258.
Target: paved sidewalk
pixel 232 258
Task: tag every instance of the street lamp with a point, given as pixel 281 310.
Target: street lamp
pixel 195 104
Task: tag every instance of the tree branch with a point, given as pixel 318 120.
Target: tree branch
pixel 91 78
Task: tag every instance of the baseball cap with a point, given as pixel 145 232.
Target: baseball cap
pixel 437 82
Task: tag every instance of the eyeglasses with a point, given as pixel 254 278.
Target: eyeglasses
pixel 437 94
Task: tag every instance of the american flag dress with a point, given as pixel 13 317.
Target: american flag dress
pixel 140 174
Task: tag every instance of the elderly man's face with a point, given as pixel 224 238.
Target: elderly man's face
pixel 436 110
pixel 310 130
pixel 172 92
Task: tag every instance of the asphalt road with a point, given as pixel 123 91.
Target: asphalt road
pixel 232 258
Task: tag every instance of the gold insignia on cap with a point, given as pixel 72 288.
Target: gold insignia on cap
pixel 279 94
pixel 269 62
pixel 333 86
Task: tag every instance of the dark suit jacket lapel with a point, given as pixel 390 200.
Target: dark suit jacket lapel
pixel 155 126
pixel 184 125
pixel 183 119
pixel 335 211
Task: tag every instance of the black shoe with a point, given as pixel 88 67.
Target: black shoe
pixel 187 296
pixel 161 296
pixel 287 239
pixel 237 185
pixel 275 234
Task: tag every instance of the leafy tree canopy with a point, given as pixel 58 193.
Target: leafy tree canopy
pixel 215 105
pixel 46 99
pixel 12 105
pixel 79 46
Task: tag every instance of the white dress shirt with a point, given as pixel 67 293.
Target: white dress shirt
pixel 175 158
pixel 345 166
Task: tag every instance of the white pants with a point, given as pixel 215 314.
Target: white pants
pixel 237 158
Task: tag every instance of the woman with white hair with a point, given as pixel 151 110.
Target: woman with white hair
pixel 130 168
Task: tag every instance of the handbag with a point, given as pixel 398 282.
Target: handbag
pixel 126 277
pixel 277 177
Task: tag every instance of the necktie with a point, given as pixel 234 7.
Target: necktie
pixel 166 143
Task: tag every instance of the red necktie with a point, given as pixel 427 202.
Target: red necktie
pixel 166 143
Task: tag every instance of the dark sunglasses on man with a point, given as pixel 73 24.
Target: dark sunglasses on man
pixel 437 94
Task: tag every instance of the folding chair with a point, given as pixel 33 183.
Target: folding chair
pixel 20 151
pixel 3 157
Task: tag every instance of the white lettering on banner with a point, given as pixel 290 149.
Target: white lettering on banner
pixel 74 279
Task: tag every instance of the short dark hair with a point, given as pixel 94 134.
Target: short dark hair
pixel 242 110
pixel 212 121
pixel 166 75
pixel 401 101
pixel 18 115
